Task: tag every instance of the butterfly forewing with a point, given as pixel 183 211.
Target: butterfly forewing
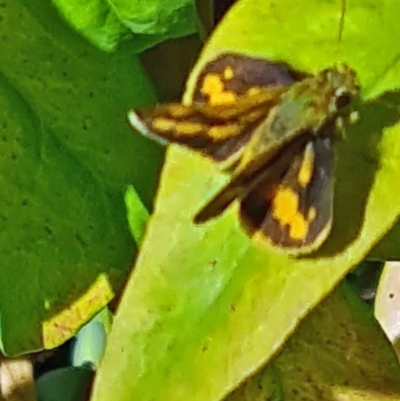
pixel 215 130
pixel 231 96
pixel 231 76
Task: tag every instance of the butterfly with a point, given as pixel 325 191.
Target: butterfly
pixel 273 131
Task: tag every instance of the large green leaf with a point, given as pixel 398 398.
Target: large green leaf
pixel 67 158
pixel 206 307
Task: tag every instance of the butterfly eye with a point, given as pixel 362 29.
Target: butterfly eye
pixel 343 100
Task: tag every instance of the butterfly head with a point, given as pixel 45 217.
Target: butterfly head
pixel 344 83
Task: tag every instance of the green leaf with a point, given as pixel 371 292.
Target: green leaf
pixel 67 158
pixel 137 214
pixel 156 17
pixel 322 361
pixel 96 21
pixel 206 307
pixel 64 384
pixel 106 23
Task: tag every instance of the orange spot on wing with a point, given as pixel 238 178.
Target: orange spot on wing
pixel 254 90
pixel 224 131
pixel 179 111
pixel 306 170
pixel 212 84
pixel 189 128
pixel 228 73
pixel 285 209
pixel 312 214
pixel 162 124
pixel 214 88
pixel 298 228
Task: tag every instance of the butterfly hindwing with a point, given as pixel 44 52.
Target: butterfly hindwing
pixel 247 180
pixel 295 211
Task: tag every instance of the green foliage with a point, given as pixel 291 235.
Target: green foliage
pixel 137 214
pixel 65 384
pixel 96 21
pixel 337 352
pixel 106 23
pixel 206 308
pixel 67 158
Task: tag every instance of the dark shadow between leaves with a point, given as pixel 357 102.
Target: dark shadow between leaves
pixel 357 161
pixel 389 247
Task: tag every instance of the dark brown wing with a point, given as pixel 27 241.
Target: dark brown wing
pixel 246 182
pixel 295 212
pixel 236 74
pixel 216 130
pixel 231 95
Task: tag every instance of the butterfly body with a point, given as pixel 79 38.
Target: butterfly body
pixel 276 141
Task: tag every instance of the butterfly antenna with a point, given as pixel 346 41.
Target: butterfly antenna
pixel 341 23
